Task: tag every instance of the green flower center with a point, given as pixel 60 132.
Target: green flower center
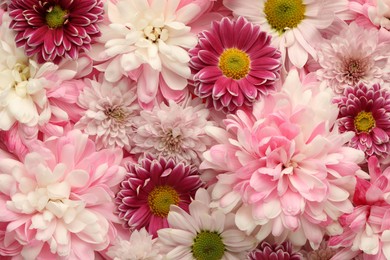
pixel 161 198
pixel 234 63
pixel 208 246
pixel 284 14
pixel 56 16
pixel 364 121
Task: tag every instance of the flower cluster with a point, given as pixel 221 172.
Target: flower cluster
pixel 207 129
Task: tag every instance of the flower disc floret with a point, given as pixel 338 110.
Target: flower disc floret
pixel 208 245
pixel 234 63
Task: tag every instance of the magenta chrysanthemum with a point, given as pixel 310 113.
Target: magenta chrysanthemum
pixel 277 252
pixel 234 64
pixel 150 188
pixel 366 111
pixel 54 29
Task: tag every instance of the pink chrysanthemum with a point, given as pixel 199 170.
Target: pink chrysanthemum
pixel 58 202
pixel 282 174
pixel 354 55
pixel 367 228
pixel 366 112
pixel 267 251
pixel 54 29
pixel 151 187
pixel 234 64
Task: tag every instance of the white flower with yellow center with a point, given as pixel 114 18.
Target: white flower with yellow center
pixel 294 24
pixel 153 37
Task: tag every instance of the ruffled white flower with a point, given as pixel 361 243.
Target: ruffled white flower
pixel 176 130
pixel 151 36
pixel 204 233
pixel 141 246
pixel 109 110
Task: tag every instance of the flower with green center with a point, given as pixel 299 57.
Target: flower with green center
pixel 153 186
pixel 56 17
pixel 234 63
pixel 203 233
pixel 365 111
pixel 208 245
pixel 289 22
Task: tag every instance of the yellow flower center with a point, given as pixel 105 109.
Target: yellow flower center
pixel 208 246
pixel 161 198
pixel 234 63
pixel 284 14
pixel 364 121
pixel 56 16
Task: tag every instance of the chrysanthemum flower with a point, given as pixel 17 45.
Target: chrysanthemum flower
pixel 54 29
pixel 58 202
pixel 367 229
pixel 203 233
pixel 175 130
pixel 293 24
pixel 141 246
pixel 284 175
pixel 366 112
pixel 149 189
pixel 234 64
pixel 108 113
pixel 276 252
pixel 148 41
pixel 355 55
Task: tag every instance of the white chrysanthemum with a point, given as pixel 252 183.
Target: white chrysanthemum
pixel 151 36
pixel 204 233
pixel 109 110
pixel 22 86
pixel 294 24
pixel 141 246
pixel 355 55
pixel 175 130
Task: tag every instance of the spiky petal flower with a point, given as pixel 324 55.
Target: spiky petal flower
pixel 294 24
pixel 54 29
pixel 234 64
pixel 108 112
pixel 175 130
pixel 366 112
pixel 58 201
pixel 367 229
pixel 141 246
pixel 281 173
pixel 277 252
pixel 149 189
pixel 355 55
pixel 203 233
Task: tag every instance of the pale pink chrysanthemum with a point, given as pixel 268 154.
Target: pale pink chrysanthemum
pixel 54 29
pixel 234 64
pixel 58 202
pixel 283 251
pixel 147 41
pixel 281 168
pixel 294 24
pixel 203 233
pixel 175 130
pixel 150 187
pixel 140 246
pixel 365 111
pixel 108 112
pixel 367 229
pixel 354 55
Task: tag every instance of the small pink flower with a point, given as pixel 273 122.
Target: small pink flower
pixel 234 64
pixel 281 251
pixel 150 188
pixel 55 29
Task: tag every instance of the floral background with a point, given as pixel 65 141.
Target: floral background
pixel 195 129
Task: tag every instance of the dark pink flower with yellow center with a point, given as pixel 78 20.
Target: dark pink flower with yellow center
pixel 366 111
pixel 234 64
pixel 150 188
pixel 54 29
